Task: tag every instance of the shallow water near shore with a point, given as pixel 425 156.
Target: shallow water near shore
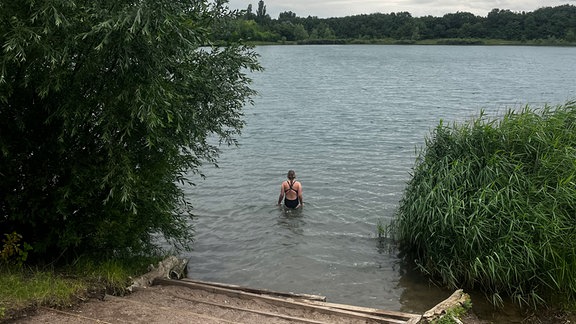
pixel 349 120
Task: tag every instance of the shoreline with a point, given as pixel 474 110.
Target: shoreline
pixel 437 42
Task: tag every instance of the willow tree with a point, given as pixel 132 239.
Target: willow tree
pixel 105 108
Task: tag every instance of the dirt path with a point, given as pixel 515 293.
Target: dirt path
pixel 177 304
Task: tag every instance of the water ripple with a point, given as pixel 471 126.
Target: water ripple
pixel 349 120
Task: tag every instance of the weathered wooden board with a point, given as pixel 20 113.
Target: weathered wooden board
pixel 405 317
pixel 259 291
pixel 289 300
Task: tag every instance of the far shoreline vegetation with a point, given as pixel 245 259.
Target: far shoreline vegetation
pixel 427 42
pixel 547 26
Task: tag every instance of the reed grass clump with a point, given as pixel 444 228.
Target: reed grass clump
pixel 492 205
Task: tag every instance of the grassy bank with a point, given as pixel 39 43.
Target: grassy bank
pixel 23 289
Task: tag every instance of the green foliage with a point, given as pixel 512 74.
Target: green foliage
pixel 14 251
pixel 23 288
pixel 115 274
pixel 454 314
pixel 491 205
pixel 20 290
pixel 105 108
pixel 544 26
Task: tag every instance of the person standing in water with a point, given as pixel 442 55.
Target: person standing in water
pixel 291 192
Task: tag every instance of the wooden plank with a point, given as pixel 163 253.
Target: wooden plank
pixel 415 320
pixel 260 291
pixel 367 310
pixel 277 301
pixel 287 317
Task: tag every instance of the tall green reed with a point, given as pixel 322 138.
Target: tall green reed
pixel 492 205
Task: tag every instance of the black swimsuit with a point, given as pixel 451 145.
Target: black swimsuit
pixel 291 203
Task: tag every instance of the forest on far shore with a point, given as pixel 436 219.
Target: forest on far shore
pixel 547 25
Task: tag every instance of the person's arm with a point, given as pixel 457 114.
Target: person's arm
pixel 281 194
pixel 300 197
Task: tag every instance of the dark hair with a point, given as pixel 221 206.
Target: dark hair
pixel 291 175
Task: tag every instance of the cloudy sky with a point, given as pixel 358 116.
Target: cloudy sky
pixel 418 8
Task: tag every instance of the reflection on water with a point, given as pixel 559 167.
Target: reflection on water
pixel 419 294
pixel 292 219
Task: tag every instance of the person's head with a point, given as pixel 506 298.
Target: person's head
pixel 291 175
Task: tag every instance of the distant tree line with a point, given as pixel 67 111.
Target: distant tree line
pixel 553 24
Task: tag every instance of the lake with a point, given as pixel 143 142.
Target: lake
pixel 349 120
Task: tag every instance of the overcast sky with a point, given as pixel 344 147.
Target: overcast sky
pixel 418 8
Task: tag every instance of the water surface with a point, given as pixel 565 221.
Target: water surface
pixel 349 119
